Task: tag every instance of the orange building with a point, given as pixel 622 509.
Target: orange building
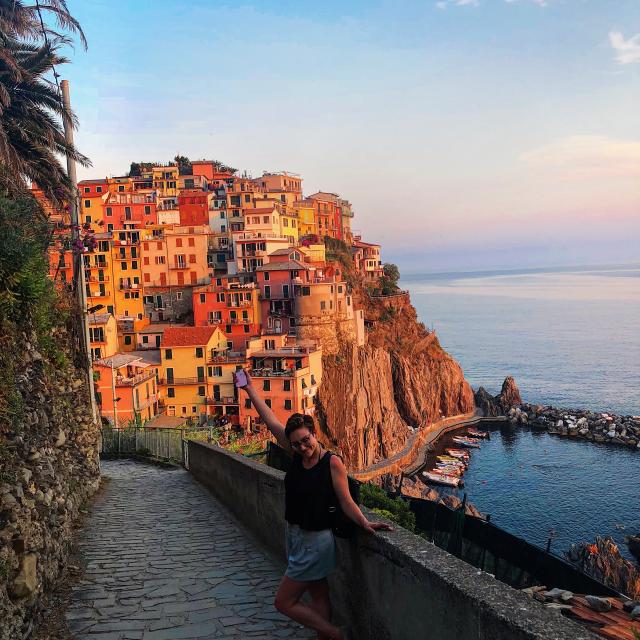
pixel 126 385
pixel 287 374
pixel 230 305
pixel 129 211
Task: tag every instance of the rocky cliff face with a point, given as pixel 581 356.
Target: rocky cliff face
pixel 508 398
pixel 370 396
pixel 48 467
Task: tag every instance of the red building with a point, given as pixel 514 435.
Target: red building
pixel 129 211
pixel 193 205
pixel 231 306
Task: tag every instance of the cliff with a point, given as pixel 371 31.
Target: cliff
pixel 370 396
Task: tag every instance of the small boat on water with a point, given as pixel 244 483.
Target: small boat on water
pixel 451 463
pixel 461 454
pixel 464 441
pixel 476 433
pixel 450 471
pixel 462 461
pixel 436 478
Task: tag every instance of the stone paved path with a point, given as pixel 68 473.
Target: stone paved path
pixel 164 561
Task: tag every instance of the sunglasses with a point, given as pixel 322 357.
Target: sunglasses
pixel 303 442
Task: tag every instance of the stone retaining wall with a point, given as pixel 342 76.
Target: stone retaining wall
pixel 392 586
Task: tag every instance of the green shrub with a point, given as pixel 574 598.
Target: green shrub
pixel 395 509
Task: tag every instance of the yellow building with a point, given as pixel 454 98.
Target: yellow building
pixel 127 274
pixel 306 219
pixel 186 353
pixel 98 273
pixel 165 180
pixel 103 334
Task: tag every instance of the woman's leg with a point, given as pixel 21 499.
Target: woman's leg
pixel 319 592
pixel 288 603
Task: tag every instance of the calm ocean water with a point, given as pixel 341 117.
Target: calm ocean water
pixel 570 339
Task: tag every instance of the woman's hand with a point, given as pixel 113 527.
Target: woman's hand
pixel 372 527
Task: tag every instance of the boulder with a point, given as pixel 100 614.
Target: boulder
pixel 602 605
pixel 26 581
pixel 633 542
pixel 486 403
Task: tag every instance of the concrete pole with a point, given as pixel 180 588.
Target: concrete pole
pixel 113 395
pixel 78 266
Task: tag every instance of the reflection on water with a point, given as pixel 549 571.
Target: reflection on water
pixel 532 483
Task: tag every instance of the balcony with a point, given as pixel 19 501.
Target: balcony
pixel 220 400
pixel 227 357
pixel 98 280
pixel 121 381
pixel 253 253
pixel 176 382
pixel 128 285
pixel 178 266
pixel 147 402
pixel 273 373
pixel 98 294
pixel 239 321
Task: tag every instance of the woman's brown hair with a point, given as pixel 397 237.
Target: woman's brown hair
pixel 297 421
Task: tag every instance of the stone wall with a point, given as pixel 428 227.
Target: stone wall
pixel 49 466
pixel 392 586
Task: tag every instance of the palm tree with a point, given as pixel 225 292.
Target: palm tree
pixel 31 110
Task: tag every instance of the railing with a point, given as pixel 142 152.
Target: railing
pixel 227 357
pixel 272 373
pixel 134 380
pixel 239 320
pixel 180 265
pixel 92 279
pixel 162 444
pixel 220 400
pixel 182 381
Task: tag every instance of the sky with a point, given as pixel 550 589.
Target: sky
pixel 468 134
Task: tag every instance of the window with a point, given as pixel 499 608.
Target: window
pixel 87 218
pixel 87 203
pixel 200 374
pixel 134 264
pixel 194 409
pixel 306 291
pixel 98 189
pixel 127 339
pixel 171 392
pixel 168 354
pixel 87 189
pixel 265 219
pixel 268 402
pixel 313 379
pixel 215 372
pixel 203 297
pixel 286 385
pixel 178 242
pixel 178 295
pixel 201 391
pixel 145 339
pixel 266 275
pixel 287 405
pixel 323 305
pixel 269 345
pixel 227 328
pixel 147 210
pixel 246 328
pixel 267 291
pixel 192 242
pixel 247 403
pixel 121 187
pixel 266 385
pixel 285 290
pixel 247 198
pixel 199 352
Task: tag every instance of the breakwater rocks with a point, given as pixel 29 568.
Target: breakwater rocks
pixel 588 425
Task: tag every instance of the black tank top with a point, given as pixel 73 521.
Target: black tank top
pixel 309 493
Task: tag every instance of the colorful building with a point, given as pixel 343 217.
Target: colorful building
pixel 286 373
pixel 103 335
pixel 232 306
pixel 127 385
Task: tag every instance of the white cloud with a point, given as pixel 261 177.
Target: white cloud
pixel 443 4
pixel 627 51
pixel 587 156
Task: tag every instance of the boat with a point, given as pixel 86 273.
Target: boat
pixel 436 478
pixel 450 465
pixel 476 433
pixel 463 441
pixel 448 471
pixel 452 460
pixel 457 453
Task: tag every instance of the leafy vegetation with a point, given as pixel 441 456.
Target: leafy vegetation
pixel 396 509
pixel 31 132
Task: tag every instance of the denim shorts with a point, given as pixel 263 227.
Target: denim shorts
pixel 311 555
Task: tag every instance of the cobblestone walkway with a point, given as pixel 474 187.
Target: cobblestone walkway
pixel 164 561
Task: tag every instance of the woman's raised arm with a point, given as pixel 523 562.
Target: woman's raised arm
pixel 273 424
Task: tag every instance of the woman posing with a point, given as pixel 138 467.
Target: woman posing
pixel 315 478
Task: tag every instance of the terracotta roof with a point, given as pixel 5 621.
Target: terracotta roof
pixel 284 252
pixel 118 360
pixel 614 624
pixel 148 356
pixel 187 336
pixel 165 422
pixel 287 265
pixel 359 243
pixel 159 327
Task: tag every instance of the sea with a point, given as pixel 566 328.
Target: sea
pixel 571 338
